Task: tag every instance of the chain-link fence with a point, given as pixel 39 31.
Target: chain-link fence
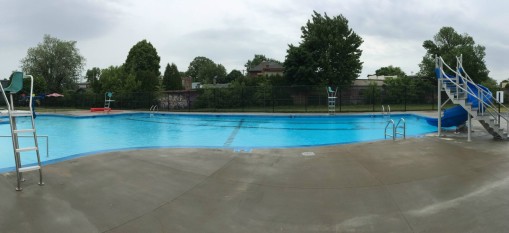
pixel 257 99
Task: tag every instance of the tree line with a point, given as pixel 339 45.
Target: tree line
pixel 328 54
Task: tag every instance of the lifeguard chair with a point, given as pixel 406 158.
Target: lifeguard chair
pixel 15 86
pixel 108 100
pixel 331 99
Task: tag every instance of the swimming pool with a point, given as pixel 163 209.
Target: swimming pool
pixel 76 136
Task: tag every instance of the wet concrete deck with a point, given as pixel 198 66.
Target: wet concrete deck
pixel 427 184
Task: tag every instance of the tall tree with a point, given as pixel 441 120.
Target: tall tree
pixel 92 77
pixel 390 71
pixel 171 78
pixel 143 62
pixel 449 44
pixel 204 70
pixel 59 62
pixel 328 53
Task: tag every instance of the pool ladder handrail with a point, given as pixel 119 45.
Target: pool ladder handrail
pixel 388 113
pixel 154 108
pixel 395 127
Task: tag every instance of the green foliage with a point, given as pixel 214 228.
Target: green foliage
pixel 115 79
pixel 300 67
pixel 92 77
pixel 390 71
pixel 372 93
pixel 491 84
pixel 328 54
pixel 58 62
pixel 171 78
pixel 111 79
pixel 143 62
pixel 233 75
pixel 448 44
pixel 259 58
pixel 142 56
pixel 149 81
pixel 409 89
pixel 202 69
pixel 40 85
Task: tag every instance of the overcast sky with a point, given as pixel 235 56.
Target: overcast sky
pixel 230 32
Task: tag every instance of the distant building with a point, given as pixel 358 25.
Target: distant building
pixel 266 68
pixel 187 83
pixel 195 85
pixel 84 85
pixel 380 77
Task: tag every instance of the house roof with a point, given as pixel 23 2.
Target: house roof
pixel 266 65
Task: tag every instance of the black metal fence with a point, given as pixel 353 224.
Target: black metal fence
pixel 258 99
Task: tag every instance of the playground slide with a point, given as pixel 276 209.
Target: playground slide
pixel 457 115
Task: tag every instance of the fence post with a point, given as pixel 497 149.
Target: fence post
pixel 188 100
pixel 242 97
pixel 406 95
pixel 305 101
pixel 340 98
pixel 373 98
pixel 273 100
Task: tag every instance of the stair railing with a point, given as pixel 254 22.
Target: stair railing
pixel 478 94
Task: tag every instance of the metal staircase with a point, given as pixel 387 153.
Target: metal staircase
pixel 461 90
pixel 16 86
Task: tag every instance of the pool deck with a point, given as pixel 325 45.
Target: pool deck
pixel 427 184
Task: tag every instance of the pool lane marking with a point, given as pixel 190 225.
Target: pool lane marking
pixel 234 133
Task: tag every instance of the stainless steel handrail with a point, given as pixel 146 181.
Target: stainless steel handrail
pixel 403 127
pixel 393 135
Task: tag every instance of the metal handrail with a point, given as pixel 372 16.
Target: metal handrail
pixel 154 108
pixel 388 113
pixel 491 108
pixel 393 135
pixel 403 127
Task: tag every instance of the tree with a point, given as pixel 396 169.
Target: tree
pixel 57 61
pixel 233 75
pixel 328 53
pixel 171 78
pixel 92 77
pixel 40 85
pixel 448 44
pixel 259 58
pixel 390 71
pixel 204 70
pixel 143 62
pixel 115 79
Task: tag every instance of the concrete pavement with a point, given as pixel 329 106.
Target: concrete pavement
pixel 424 184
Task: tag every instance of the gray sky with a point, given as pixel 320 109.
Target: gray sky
pixel 231 31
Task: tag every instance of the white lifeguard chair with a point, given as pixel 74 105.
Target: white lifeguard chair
pixel 108 100
pixel 331 99
pixel 15 87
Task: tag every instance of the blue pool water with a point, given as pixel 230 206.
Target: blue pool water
pixel 76 136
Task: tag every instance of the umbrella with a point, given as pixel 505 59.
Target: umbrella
pixel 55 95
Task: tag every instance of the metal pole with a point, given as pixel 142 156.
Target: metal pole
pixel 439 98
pixel 469 127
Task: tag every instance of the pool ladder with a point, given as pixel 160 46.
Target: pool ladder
pixel 388 113
pixel 154 108
pixel 400 125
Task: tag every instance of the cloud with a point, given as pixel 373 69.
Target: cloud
pixel 230 32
